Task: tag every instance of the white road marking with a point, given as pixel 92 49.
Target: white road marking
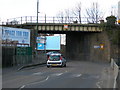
pixel 77 75
pixel 57 74
pixel 98 84
pixel 38 73
pixel 23 86
pixel 45 79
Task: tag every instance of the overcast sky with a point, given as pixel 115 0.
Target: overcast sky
pixel 18 8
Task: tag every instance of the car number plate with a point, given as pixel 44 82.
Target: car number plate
pixel 54 64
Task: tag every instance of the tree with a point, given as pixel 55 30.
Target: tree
pixel 111 20
pixel 93 13
pixel 60 17
pixel 77 11
pixel 65 16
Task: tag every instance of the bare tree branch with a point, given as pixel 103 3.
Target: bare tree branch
pixel 77 11
pixel 93 13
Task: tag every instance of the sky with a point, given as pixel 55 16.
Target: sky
pixel 17 8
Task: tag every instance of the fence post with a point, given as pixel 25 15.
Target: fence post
pixel 21 20
pixel 45 18
pixel 53 20
pixel 31 19
pixel 26 19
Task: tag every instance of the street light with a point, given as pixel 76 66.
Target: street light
pixel 45 44
pixel 36 32
pixel 37 17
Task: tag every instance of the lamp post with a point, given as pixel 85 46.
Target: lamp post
pixel 37 15
pixel 45 44
pixel 36 33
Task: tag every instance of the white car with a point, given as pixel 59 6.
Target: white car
pixel 56 59
pixel 51 52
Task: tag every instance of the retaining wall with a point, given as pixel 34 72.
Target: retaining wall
pixel 116 70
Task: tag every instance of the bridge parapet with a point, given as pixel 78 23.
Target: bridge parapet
pixel 52 24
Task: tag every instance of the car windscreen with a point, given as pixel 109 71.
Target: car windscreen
pixel 54 58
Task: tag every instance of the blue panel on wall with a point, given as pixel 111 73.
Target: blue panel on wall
pixel 52 43
pixel 40 46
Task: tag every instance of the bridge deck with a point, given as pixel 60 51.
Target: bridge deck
pixel 61 27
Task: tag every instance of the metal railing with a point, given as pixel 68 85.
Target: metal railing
pixel 45 19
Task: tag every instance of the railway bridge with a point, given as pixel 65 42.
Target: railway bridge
pixel 83 41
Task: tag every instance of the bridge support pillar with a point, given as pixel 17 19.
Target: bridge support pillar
pixel 78 45
pixel 82 46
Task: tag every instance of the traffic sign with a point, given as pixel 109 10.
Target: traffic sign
pixel 101 46
pixel 96 46
pixel 65 26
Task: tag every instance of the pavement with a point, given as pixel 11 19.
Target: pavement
pixel 107 78
pixel 35 62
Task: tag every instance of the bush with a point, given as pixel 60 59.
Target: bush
pixel 111 20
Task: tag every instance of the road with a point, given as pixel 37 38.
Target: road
pixel 77 74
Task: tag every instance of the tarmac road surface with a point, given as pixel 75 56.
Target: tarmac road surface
pixel 77 74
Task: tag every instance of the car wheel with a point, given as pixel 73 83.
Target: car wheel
pixel 48 66
pixel 65 65
pixel 61 66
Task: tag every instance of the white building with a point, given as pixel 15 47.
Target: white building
pixel 119 10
